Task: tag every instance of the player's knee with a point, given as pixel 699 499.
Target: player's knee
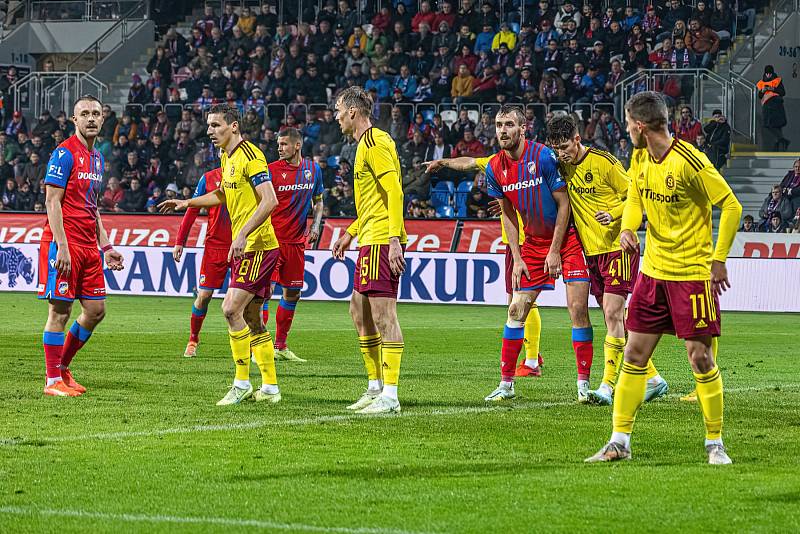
pixel 291 295
pixel 230 311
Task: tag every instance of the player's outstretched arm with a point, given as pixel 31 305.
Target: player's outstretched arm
pixel 53 198
pixel 462 164
pixel 209 200
pixel 113 259
pixel 267 203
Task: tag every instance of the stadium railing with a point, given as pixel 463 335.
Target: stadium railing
pixel 703 90
pixel 87 10
pixel 53 91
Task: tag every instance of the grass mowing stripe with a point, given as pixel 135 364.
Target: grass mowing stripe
pixel 109 436
pixel 222 521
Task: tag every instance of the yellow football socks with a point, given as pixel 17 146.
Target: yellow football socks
pixel 371 351
pixel 264 352
pixel 613 349
pixel 240 349
pixel 652 372
pixel 392 353
pixel 710 396
pixel 533 333
pixel 629 396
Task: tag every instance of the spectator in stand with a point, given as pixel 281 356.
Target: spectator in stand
pixel 9 198
pixel 676 11
pixel 417 146
pixel 347 204
pixel 16 125
pixel 776 202
pixel 771 92
pixel 722 21
pixel 126 128
pixel 33 171
pixel 776 224
pixel 748 224
pixel 504 36
pixel 484 40
pixel 687 128
pixel 551 87
pixel 623 152
pixel 477 201
pixel 718 137
pixel 45 126
pixel 463 84
pixel 790 185
pixel 112 196
pixel 469 146
pixel 703 43
pixel 134 199
pixel 25 198
pixel 416 181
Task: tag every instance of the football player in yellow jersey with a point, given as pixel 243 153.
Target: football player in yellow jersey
pixel 598 184
pixel 247 191
pixel 533 362
pixel 683 274
pixel 381 237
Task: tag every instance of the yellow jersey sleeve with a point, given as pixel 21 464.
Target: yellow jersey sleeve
pixel 482 163
pixel 711 182
pixel 632 212
pixel 619 181
pixel 378 190
pixel 256 169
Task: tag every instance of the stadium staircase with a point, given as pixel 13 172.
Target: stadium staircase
pixel 751 174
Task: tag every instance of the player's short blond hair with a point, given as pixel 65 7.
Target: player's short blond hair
pixel 650 108
pixel 356 97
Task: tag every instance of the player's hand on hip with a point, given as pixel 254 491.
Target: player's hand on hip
pixel 629 242
pixel 603 217
pixel 63 261
pixel 396 260
pixel 114 260
pixel 719 277
pixel 495 207
pixel 552 264
pixel 237 248
pixel 519 270
pixel 341 245
pixel 177 252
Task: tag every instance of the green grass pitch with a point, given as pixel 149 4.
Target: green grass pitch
pixel 146 449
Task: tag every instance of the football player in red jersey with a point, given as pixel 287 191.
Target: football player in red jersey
pixel 214 267
pixel 70 265
pixel 298 186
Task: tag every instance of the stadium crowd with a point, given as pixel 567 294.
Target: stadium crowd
pixel 435 74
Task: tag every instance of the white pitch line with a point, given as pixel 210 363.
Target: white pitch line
pixel 110 436
pixel 181 520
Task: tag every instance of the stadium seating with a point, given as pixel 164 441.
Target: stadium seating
pixel 462 195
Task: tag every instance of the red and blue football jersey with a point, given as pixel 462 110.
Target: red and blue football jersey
pixel 219 221
pixel 296 188
pixel 528 183
pixel 79 172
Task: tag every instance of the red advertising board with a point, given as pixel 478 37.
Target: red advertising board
pixel 481 237
pixel 423 235
pixel 123 230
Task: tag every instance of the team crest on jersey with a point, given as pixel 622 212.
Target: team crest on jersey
pixel 232 171
pixel 589 177
pixel 669 181
pixel 63 287
pixel 307 174
pixel 532 167
pixel 81 158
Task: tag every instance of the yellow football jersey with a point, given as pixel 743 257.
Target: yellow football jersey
pixel 597 182
pixel 482 163
pixel 242 171
pixel 378 179
pixel 677 193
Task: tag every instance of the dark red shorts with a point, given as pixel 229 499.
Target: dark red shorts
pixel 213 268
pixel 291 265
pixel 573 264
pixel 509 270
pixel 85 280
pixel 685 308
pixel 614 273
pixel 253 272
pixel 373 276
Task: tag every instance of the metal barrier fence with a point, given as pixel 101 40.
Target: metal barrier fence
pixel 54 91
pixel 87 10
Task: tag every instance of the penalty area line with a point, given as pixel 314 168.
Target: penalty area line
pixel 323 419
pixel 189 520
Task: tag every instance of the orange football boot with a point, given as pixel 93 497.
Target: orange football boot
pixel 60 389
pixel 66 375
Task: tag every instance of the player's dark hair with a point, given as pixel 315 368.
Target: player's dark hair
pixel 356 97
pixel 561 128
pixel 291 133
pixel 86 98
pixel 514 110
pixel 649 108
pixel 229 113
